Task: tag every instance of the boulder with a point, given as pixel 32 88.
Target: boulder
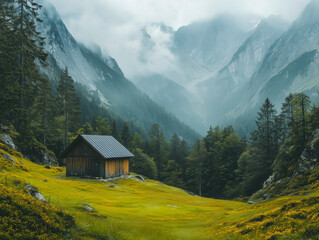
pixel 87 207
pixel 32 190
pixel 7 140
pixel 40 197
pixel 112 185
pixel 140 178
pixel 48 159
pixel 250 202
pixel 7 157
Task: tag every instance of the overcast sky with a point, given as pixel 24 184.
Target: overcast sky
pixel 115 25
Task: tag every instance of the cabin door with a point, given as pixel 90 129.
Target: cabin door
pixel 96 167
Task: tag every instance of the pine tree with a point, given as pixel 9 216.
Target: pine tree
pixel 175 153
pixel 301 105
pixel 137 142
pixel 196 160
pixel 29 48
pixel 265 137
pixel 21 46
pixel 68 105
pixel 126 136
pixel 158 149
pixel 115 133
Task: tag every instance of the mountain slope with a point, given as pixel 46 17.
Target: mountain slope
pixel 203 48
pixel 171 96
pixel 102 77
pixel 297 48
pixel 228 86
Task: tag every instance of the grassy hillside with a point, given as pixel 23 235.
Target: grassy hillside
pixel 152 210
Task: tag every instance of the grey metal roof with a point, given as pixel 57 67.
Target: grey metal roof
pixel 107 146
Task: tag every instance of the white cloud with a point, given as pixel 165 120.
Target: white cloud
pixel 116 25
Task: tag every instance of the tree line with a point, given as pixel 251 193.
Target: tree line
pixel 225 165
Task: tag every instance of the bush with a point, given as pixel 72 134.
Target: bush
pixel 143 164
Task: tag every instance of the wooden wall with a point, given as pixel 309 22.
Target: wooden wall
pixel 116 167
pixel 85 167
pixel 82 149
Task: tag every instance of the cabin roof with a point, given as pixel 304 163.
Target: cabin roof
pixel 106 146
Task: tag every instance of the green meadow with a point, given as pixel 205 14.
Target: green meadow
pixel 152 210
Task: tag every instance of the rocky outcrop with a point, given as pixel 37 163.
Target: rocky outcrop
pixel 309 158
pixel 307 164
pixel 34 192
pixel 7 140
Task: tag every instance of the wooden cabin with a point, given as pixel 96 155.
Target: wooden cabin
pixel 96 156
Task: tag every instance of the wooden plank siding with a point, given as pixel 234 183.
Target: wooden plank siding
pixel 116 167
pixel 82 149
pixel 85 166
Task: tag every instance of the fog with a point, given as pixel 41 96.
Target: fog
pixel 119 27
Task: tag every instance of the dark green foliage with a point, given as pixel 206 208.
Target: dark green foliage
pixel 158 148
pixel 143 164
pixel 195 162
pixel 68 104
pixel 173 174
pixel 126 136
pixel 223 150
pixel 114 132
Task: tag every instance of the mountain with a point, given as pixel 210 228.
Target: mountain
pixel 203 48
pixel 232 67
pixel 229 85
pixel 290 65
pixel 102 78
pixel 171 96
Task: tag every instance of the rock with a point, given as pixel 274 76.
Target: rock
pixel 13 164
pixel 31 189
pixel 7 140
pixel 45 180
pixel 47 167
pixel 21 163
pixel 87 207
pixel 169 205
pixel 140 177
pixel 7 157
pixel 40 197
pixel 266 196
pixel 34 192
pixel 2 171
pixel 48 159
pixel 269 181
pixel 250 202
pixel 191 193
pixel 309 157
pixel 112 185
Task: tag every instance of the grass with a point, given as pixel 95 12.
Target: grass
pixel 152 210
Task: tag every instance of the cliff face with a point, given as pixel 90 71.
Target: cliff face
pixel 304 175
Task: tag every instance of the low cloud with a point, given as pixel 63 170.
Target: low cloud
pixel 120 27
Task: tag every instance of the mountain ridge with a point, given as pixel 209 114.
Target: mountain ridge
pixel 102 77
